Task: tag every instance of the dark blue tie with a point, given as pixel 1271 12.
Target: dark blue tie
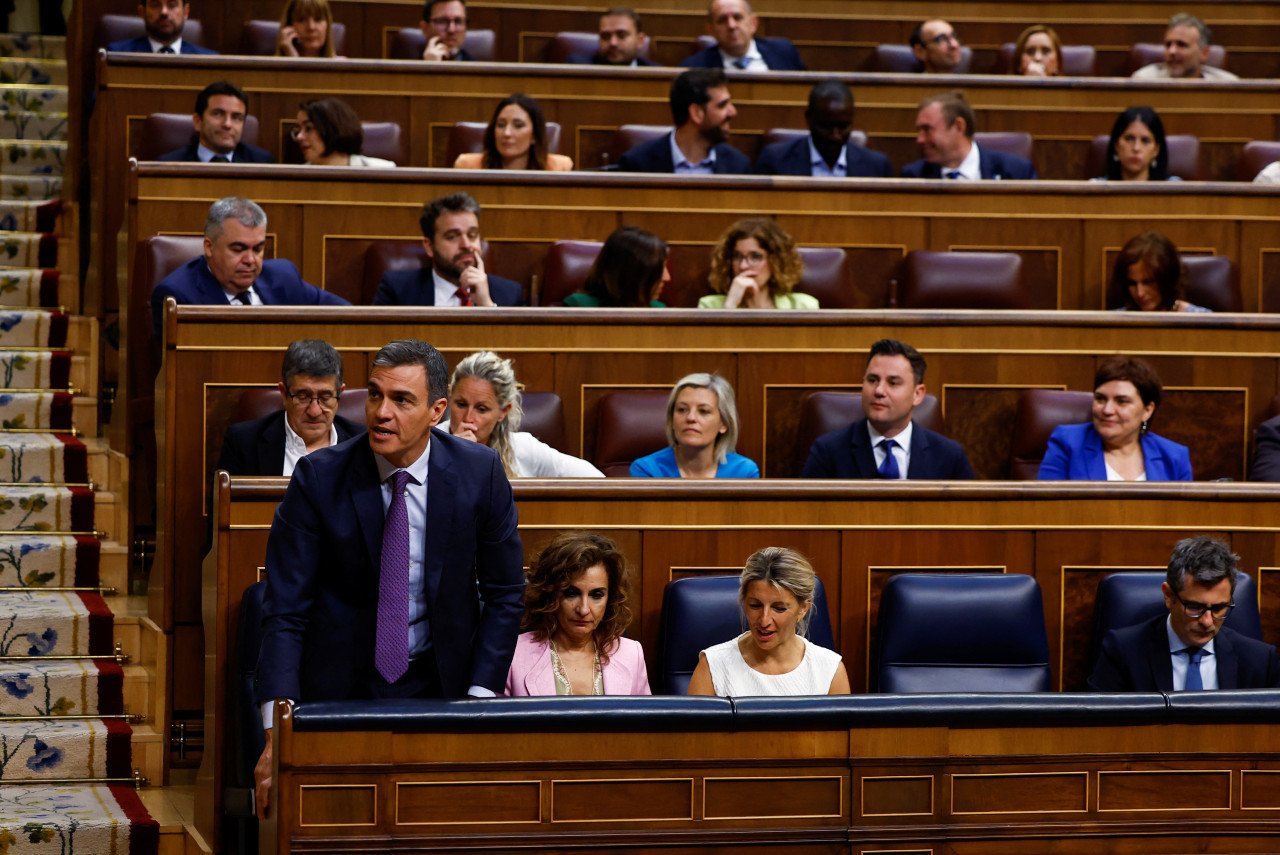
pixel 1194 681
pixel 889 469
pixel 954 173
pixel 742 62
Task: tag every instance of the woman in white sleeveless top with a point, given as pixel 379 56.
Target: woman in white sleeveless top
pixel 772 657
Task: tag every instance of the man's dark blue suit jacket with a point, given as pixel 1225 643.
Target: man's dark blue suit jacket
pixel 594 59
pixel 778 53
pixel 244 153
pixel 257 447
pixel 1137 659
pixel 142 45
pixel 416 288
pixel 846 453
pixel 791 157
pixel 655 156
pixel 324 556
pixel 993 164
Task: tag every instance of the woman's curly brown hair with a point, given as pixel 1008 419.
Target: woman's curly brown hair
pixel 557 566
pixel 785 265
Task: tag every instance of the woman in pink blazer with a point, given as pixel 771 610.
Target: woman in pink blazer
pixel 575 612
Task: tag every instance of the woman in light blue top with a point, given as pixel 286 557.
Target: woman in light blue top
pixel 702 427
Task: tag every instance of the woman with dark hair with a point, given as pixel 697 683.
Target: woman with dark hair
pixel 1116 445
pixel 1038 52
pixel 575 610
pixel 516 138
pixel 306 29
pixel 755 265
pixel 1151 275
pixel 1137 150
pixel 328 133
pixel 629 272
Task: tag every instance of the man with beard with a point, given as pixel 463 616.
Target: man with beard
pixel 1186 53
pixel 163 21
pixel 827 152
pixel 701 109
pixel 621 41
pixel 456 277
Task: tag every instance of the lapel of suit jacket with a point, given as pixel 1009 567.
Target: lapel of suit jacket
pixel 442 483
pixel 366 496
pixel 1094 456
pixel 920 467
pixel 798 162
pixel 1153 459
pixel 1159 657
pixel 1227 663
pixel 986 168
pixel 540 680
pixel 864 460
pixel 210 291
pixel 271 445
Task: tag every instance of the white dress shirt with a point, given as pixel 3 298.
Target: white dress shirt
pixel 446 291
pixel 1179 660
pixel 295 447
pixel 754 61
pixel 970 169
pixel 901 453
pixel 818 165
pixel 157 46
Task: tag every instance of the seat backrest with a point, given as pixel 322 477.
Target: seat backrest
pixel 628 137
pixel 156 258
pixel 164 132
pixel 263 401
pixel 258 38
pixel 1212 282
pixel 1256 156
pixel 1017 143
pixel 776 135
pixel 701 611
pixel 827 276
pixel 962 632
pixel 1146 53
pixel 468 138
pixel 1039 412
pixel 383 139
pixel 119 28
pixel 901 59
pixel 629 424
pixel 1077 60
pixel 544 418
pixel 962 280
pixel 1184 156
pixel 385 255
pixel 1129 598
pixel 566 44
pixel 409 43
pixel 565 269
pixel 824 412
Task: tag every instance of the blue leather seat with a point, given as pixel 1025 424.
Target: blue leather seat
pixel 962 632
pixel 701 611
pixel 1125 599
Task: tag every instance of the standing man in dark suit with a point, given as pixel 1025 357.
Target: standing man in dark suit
pixel 310 388
pixel 621 40
pixel 827 152
pixel 701 109
pixel 944 130
pixel 885 443
pixel 733 25
pixel 163 21
pixel 382 553
pixel 232 271
pixel 444 23
pixel 1189 648
pixel 451 236
pixel 221 109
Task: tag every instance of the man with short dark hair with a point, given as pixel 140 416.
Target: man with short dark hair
pixel 219 123
pixel 621 41
pixel 701 109
pixel 1187 40
pixel 444 23
pixel 734 25
pixel 827 152
pixel 232 271
pixel 945 125
pixel 456 276
pixel 885 442
pixel 1188 648
pixel 310 387
pixel 937 45
pixel 163 20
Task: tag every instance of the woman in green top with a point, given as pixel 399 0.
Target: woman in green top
pixel 629 272
pixel 755 266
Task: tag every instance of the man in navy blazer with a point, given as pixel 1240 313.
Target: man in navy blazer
pixel 734 25
pixel 621 40
pixel 456 276
pixel 232 271
pixel 310 387
pixel 886 443
pixel 219 123
pixel 944 130
pixel 375 595
pixel 163 20
pixel 702 110
pixel 1189 648
pixel 827 152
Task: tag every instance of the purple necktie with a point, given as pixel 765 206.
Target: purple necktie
pixel 391 652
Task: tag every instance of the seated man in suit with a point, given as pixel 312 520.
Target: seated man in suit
pixel 734 25
pixel 1188 648
pixel 219 122
pixel 827 152
pixel 1266 452
pixel 937 46
pixel 451 236
pixel 1186 53
pixel 621 40
pixel 311 384
pixel 232 272
pixel 701 109
pixel 944 131
pixel 885 443
pixel 444 23
pixel 163 21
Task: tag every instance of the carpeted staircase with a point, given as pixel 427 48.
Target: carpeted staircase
pixel 76 689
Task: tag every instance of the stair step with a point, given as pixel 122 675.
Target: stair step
pixel 30 187
pixel 32 157
pixel 44 100
pixel 33 72
pixel 56 624
pixel 113 566
pixel 27 125
pixel 63 749
pixel 174 808
pixel 33 46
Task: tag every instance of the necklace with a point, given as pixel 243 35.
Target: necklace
pixel 563 686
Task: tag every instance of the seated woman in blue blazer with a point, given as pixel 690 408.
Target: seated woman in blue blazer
pixel 1116 445
pixel 702 427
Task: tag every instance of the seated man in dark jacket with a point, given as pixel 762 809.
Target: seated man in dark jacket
pixel 734 25
pixel 945 126
pixel 219 123
pixel 701 109
pixel 828 151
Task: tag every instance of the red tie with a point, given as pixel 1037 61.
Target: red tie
pixel 464 297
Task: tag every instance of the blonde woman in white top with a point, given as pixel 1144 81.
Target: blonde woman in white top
pixel 772 657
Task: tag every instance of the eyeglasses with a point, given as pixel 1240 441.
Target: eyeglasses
pixel 753 258
pixel 305 128
pixel 304 399
pixel 446 23
pixel 942 38
pixel 1195 610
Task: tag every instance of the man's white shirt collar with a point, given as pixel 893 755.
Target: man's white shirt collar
pixel 970 168
pixel 157 46
pixel 295 447
pixel 755 62
pixel 818 165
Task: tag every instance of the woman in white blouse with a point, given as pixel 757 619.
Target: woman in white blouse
pixel 484 406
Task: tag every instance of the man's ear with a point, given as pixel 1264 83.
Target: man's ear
pixel 284 392
pixel 431 253
pixel 697 113
pixel 920 52
pixel 208 247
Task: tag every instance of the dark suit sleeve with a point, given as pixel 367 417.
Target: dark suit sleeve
pixel 324 298
pixel 914 170
pixel 819 464
pixel 1111 672
pixel 506 292
pixel 960 468
pixel 500 574
pixel 630 163
pixel 1266 458
pixel 232 457
pixel 386 294
pixel 766 163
